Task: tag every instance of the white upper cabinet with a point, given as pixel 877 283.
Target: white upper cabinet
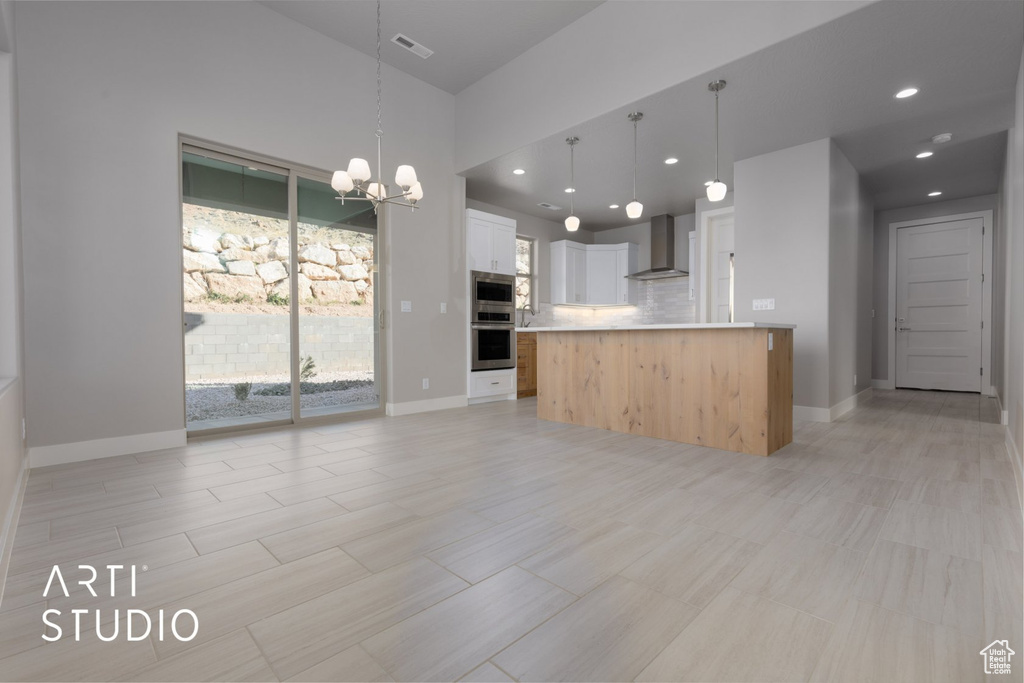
pixel 592 274
pixel 491 242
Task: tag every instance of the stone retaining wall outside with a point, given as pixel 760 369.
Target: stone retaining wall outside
pixel 234 345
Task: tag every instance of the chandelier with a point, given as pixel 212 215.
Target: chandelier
pixel 358 176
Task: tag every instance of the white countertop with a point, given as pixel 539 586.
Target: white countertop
pixel 680 326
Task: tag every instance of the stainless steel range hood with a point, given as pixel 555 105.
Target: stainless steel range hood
pixel 663 251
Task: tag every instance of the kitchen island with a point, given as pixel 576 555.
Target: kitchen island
pixel 727 386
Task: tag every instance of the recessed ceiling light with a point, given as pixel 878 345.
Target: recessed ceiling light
pixel 924 155
pixel 671 160
pixel 570 190
pixel 613 206
pixel 519 171
pixel 906 92
pixel 942 137
pixel 934 194
pixel 709 183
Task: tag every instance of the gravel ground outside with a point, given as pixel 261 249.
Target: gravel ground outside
pixel 214 399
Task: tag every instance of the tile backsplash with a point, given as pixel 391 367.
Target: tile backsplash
pixel 658 302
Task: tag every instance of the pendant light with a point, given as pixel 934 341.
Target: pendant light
pixel 717 189
pixel 572 223
pixel 634 208
pixel 358 175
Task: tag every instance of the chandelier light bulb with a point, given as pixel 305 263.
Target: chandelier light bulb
pixel 716 191
pixel 359 170
pixel 342 182
pixel 634 209
pixel 405 177
pixel 572 223
pixel 375 190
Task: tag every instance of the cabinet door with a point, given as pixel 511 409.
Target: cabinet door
pixel 601 269
pixel 622 284
pixel 575 275
pixel 479 235
pixel 503 248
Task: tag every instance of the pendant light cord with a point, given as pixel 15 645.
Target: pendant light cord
pixel 380 129
pixel 634 160
pixel 572 176
pixel 716 137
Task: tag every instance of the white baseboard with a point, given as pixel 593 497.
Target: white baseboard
pixel 60 454
pixel 845 406
pixel 883 384
pixel 492 399
pixel 410 407
pixel 809 414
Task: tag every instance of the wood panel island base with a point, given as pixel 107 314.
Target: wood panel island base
pixel 727 386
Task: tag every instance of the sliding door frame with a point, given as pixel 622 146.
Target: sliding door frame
pixel 189 144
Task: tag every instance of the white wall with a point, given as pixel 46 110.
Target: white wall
pixel 1011 385
pixel 849 280
pixel 105 90
pixel 614 55
pixel 782 252
pixel 883 320
pixel 545 232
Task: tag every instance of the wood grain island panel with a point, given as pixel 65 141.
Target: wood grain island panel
pixel 717 386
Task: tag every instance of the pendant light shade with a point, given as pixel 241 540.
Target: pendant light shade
pixel 572 223
pixel 358 170
pixel 717 189
pixel 634 209
pixel 342 182
pixel 405 177
pixel 415 192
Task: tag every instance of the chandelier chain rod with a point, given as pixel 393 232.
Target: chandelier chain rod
pixel 572 176
pixel 717 176
pixel 634 160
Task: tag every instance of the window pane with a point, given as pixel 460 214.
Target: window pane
pixel 524 257
pixel 236 266
pixel 522 291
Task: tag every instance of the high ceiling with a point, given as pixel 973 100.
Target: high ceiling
pixel 834 81
pixel 470 38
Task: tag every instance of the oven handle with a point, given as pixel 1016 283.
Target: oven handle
pixel 495 326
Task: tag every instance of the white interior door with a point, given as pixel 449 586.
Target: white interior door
pixel 939 306
pixel 722 248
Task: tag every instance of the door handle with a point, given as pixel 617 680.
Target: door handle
pixel 905 329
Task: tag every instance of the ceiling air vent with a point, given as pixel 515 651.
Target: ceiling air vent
pixel 552 207
pixel 411 45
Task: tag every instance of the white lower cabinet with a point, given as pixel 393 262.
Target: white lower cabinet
pixel 492 382
pixel 593 274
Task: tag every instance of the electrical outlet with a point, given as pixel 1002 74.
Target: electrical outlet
pixel 771 341
pixel 406 307
pixel 855 381
pixel 872 313
pixel 444 306
pixel 23 430
pixel 426 382
pixel 764 304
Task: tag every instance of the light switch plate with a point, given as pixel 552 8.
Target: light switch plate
pixel 444 306
pixel 764 304
pixel 406 307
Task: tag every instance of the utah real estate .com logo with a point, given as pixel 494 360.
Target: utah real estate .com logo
pixel 183 625
pixel 997 657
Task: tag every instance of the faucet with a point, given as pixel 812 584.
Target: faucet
pixel 524 309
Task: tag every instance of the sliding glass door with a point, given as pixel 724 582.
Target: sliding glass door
pixel 279 284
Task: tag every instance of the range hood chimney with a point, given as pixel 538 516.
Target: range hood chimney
pixel 663 251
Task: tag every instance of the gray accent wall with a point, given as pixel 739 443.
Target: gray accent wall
pixel 105 91
pixel 883 316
